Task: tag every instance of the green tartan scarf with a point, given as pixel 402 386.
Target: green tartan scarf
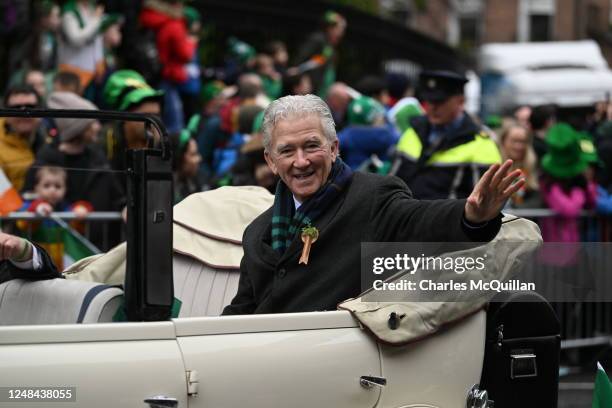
pixel 286 222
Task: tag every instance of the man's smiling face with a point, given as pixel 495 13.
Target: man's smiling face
pixel 301 155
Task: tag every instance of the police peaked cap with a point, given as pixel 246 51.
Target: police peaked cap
pixel 436 86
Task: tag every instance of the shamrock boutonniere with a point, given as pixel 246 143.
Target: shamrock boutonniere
pixel 309 236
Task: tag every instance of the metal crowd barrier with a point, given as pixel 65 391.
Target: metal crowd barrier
pixel 593 227
pixel 102 230
pixel 583 324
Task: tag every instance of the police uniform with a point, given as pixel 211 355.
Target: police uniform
pixel 443 161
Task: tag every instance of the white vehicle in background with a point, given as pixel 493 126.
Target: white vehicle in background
pixel 566 74
pixel 63 339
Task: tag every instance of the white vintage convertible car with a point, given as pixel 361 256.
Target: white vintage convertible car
pixel 64 334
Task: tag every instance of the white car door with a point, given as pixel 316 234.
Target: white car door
pixel 296 360
pixel 107 365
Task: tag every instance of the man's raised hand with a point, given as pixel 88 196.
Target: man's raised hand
pixel 491 192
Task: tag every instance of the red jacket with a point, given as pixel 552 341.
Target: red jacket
pixel 174 46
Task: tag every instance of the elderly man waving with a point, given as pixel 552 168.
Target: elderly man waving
pixel 303 254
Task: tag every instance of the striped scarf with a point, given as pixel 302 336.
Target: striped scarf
pixel 286 223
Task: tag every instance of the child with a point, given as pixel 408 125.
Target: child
pixel 50 189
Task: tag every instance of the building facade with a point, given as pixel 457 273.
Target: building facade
pixel 467 24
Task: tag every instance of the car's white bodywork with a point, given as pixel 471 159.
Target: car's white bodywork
pixel 298 360
pixel 111 365
pixel 203 360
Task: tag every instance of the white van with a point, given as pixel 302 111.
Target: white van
pixel 567 74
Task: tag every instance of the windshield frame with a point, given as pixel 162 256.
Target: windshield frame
pixel 146 118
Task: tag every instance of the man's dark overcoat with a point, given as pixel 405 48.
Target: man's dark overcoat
pixel 372 208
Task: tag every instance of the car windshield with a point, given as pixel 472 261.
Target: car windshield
pixel 74 172
pixel 83 184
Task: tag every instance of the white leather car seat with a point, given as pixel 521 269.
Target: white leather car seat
pixel 207 246
pixel 57 301
pixel 202 289
pixel 208 229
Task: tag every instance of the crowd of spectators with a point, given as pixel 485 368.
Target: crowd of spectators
pixel 69 62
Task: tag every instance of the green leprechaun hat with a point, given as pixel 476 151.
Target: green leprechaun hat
pixel 564 159
pixel 126 88
pixel 364 111
pixel 588 148
pixel 241 50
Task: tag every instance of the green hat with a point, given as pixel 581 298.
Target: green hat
pixel 494 121
pixel 403 111
pixel 332 18
pixel 46 6
pixel 109 20
pixel 191 15
pixel 240 49
pixel 564 159
pixel 364 111
pixel 210 90
pixel 127 88
pixel 588 148
pixel 191 131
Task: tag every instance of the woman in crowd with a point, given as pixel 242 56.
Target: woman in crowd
pixel 186 162
pixel 515 144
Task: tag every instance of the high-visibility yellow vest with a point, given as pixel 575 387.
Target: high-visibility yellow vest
pixel 480 151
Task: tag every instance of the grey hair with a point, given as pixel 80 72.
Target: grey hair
pixel 297 106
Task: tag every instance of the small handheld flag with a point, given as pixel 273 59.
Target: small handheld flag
pixel 602 395
pixel 9 197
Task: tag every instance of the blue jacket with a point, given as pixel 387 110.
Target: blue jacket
pixel 193 84
pixel 358 143
pixel 604 201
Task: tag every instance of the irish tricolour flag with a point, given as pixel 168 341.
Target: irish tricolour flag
pixel 602 395
pixel 9 197
pixel 75 246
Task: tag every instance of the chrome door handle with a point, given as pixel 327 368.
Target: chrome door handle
pixel 161 401
pixel 478 398
pixel 369 381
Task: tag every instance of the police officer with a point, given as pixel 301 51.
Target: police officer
pixel 444 152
